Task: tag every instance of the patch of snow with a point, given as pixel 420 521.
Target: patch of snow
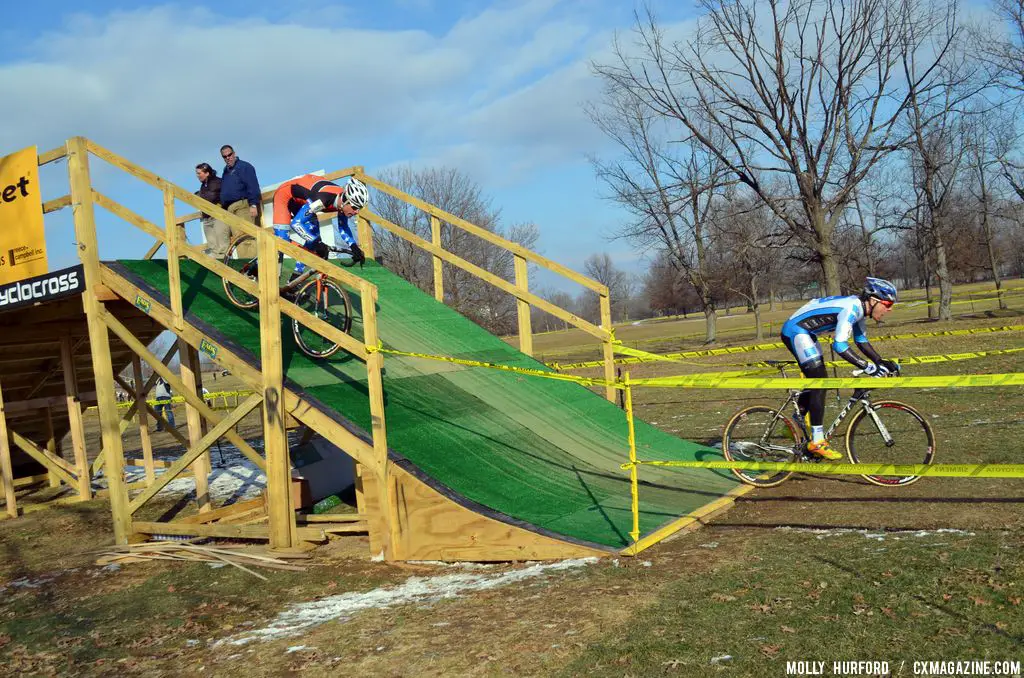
pixel 896 535
pixel 710 545
pixel 300 617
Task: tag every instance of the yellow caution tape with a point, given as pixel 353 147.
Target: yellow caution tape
pixel 638 356
pixel 586 381
pixel 725 380
pixel 180 399
pixel 895 470
pixel 717 381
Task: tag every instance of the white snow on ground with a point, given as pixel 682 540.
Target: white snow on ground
pixel 878 535
pixel 302 616
pixel 233 477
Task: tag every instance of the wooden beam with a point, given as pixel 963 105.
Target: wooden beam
pixel 275 435
pixel 191 377
pixel 55 364
pixel 75 422
pixel 56 204
pixel 6 468
pixel 523 307
pixel 375 385
pixel 435 239
pixel 58 466
pixel 53 155
pixel 165 372
pixel 147 442
pixel 51 445
pixel 201 445
pixel 227 531
pixel 609 353
pixel 225 511
pixel 99 340
pixel 136 220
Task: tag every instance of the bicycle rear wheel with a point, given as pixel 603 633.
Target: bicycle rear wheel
pixel 760 433
pixel 899 436
pixel 245 264
pixel 325 300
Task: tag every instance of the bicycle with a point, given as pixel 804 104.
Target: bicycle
pixel 314 292
pixel 881 432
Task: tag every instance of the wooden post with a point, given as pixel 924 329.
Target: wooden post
pixel 192 377
pixel 609 354
pixel 6 470
pixel 387 508
pixel 275 435
pixel 523 307
pixel 75 422
pixel 365 231
pixel 173 262
pixel 99 339
pixel 435 238
pixel 51 447
pixel 142 414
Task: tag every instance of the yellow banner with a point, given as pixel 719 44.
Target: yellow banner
pixel 22 240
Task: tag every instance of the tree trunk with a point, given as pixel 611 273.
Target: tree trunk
pixel 993 264
pixel 829 264
pixel 942 273
pixel 710 323
pixel 756 306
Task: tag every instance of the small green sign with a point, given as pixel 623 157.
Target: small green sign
pixel 208 348
pixel 142 303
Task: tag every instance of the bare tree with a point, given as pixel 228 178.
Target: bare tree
pixel 457 194
pixel 1003 50
pixel 808 91
pixel 985 148
pixel 671 190
pixel 620 286
pixel 937 142
pixel 747 234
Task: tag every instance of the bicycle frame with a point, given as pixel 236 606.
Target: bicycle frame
pixel 859 396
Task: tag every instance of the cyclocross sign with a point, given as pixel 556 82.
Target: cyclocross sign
pixel 22 242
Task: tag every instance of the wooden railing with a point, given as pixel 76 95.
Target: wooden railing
pixel 170 234
pixel 519 288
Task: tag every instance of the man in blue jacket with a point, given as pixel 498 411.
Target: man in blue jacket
pixel 240 191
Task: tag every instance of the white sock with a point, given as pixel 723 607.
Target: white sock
pixel 817 433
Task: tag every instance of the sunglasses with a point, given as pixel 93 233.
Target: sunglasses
pixel 229 155
pixel 886 303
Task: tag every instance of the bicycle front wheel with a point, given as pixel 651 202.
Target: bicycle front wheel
pixel 241 256
pixel 326 301
pixel 891 433
pixel 759 433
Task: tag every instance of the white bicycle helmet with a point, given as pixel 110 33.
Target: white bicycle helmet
pixel 355 194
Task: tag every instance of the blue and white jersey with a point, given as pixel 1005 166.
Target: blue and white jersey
pixel 843 316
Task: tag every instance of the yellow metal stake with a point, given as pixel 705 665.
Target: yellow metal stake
pixel 634 490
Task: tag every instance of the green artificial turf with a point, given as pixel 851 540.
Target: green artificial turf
pixel 541 451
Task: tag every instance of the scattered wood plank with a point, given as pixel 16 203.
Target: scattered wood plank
pixel 184 550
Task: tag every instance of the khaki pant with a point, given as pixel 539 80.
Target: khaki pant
pixel 240 208
pixel 218 237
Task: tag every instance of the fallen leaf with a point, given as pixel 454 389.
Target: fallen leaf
pixel 770 650
pixel 787 629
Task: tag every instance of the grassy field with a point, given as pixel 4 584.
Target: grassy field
pixel 819 569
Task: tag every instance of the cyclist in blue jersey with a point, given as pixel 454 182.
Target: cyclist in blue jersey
pixel 846 318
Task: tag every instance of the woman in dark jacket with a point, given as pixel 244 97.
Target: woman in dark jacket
pixel 217 232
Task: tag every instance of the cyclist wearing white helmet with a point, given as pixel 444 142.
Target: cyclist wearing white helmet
pixel 845 317
pixel 298 202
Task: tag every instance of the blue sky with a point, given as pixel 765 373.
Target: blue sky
pixel 494 89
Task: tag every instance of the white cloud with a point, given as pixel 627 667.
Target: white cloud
pixel 166 86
